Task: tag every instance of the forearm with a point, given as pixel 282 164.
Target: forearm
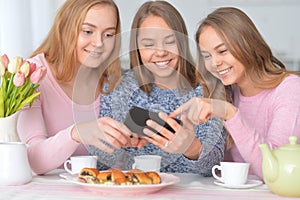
pixel 248 141
pixel 46 154
pixel 208 157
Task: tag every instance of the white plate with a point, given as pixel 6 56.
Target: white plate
pixel 248 184
pixel 121 190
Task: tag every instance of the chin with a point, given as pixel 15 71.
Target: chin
pixel 226 82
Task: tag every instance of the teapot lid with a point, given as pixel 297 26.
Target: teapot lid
pixel 293 144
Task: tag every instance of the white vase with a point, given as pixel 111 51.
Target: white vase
pixel 8 128
pixel 14 168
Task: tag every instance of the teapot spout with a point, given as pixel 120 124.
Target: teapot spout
pixel 270 166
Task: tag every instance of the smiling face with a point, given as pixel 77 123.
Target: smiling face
pixel 158 50
pixel 218 59
pixel 96 38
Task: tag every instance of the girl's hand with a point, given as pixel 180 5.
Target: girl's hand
pixel 137 141
pixel 104 133
pixel 177 142
pixel 199 110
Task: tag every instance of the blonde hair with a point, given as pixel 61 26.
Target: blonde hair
pixel 59 46
pixel 172 17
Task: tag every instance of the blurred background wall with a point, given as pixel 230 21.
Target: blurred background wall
pixel 25 23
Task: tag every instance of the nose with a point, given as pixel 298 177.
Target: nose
pixel 161 52
pixel 216 60
pixel 97 40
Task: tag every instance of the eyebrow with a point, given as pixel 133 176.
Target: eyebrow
pixel 92 25
pixel 218 46
pixel 150 39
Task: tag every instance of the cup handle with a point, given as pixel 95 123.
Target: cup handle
pixel 133 166
pixel 213 170
pixel 66 166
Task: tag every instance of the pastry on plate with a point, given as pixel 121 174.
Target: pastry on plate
pixel 88 175
pixel 118 177
pixel 155 177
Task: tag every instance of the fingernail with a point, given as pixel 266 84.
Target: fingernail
pixel 149 122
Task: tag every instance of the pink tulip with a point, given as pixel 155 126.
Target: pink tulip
pixel 2 67
pixel 5 60
pixel 32 68
pixel 19 79
pixel 38 75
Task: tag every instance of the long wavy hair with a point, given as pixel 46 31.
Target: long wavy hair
pixel 246 44
pixel 59 46
pixel 186 66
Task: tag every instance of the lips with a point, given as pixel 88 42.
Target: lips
pixel 224 71
pixel 162 64
pixel 93 53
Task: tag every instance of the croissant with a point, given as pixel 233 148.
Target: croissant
pixel 88 175
pixel 139 177
pixel 114 176
pixel 104 176
pixel 155 177
pixel 118 177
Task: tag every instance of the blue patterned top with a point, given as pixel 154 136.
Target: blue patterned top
pixel 128 94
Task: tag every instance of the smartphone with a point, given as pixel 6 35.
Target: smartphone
pixel 136 120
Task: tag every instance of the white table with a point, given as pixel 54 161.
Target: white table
pixel 191 186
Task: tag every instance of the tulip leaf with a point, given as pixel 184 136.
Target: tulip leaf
pixel 27 100
pixel 1 102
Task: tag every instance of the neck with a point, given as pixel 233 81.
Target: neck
pixel 249 90
pixel 86 85
pixel 166 83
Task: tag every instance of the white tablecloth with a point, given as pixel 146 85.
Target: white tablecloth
pixel 191 186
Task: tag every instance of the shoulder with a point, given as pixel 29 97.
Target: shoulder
pixel 198 91
pixel 39 60
pixel 128 79
pixel 288 90
pixel 290 83
pixel 198 88
pixel 126 84
pixel 291 80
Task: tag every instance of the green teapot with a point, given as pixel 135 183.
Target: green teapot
pixel 281 168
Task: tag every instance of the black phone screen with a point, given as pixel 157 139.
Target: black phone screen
pixel 136 120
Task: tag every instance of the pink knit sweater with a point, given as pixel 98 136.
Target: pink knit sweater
pixel 268 117
pixel 46 126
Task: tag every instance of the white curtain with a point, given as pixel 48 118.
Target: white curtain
pixel 24 24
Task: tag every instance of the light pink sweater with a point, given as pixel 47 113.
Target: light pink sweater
pixel 46 126
pixel 268 117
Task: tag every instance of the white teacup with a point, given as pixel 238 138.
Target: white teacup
pixel 147 163
pixel 77 163
pixel 232 173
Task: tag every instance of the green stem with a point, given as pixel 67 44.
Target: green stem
pixel 31 85
pixel 9 85
pixel 1 103
pixel 2 95
pixel 12 99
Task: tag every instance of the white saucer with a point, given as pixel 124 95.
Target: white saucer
pixel 248 184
